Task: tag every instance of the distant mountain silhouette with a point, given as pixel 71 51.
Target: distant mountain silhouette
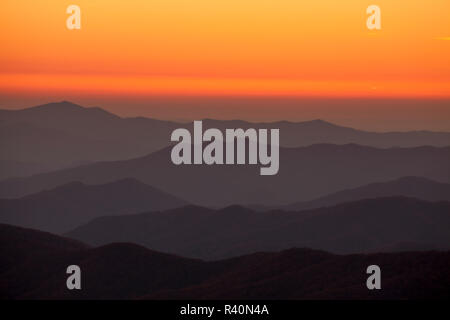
pixel 361 226
pixel 67 206
pixel 60 134
pixel 415 187
pixel 36 269
pixel 305 173
pixel 57 135
pixel 299 134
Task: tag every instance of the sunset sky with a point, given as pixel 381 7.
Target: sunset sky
pixel 141 49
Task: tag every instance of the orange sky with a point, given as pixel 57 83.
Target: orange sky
pixel 226 47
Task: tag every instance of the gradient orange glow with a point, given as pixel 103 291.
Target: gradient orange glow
pixel 226 47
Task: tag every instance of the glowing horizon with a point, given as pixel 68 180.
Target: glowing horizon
pixel 284 47
pixel 91 85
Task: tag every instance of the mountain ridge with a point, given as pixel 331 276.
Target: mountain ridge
pixel 127 137
pixel 56 135
pixel 409 186
pixel 305 173
pixel 63 208
pixel 129 271
pixel 71 106
pixel 353 227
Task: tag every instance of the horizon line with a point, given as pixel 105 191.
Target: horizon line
pixel 147 86
pixel 187 121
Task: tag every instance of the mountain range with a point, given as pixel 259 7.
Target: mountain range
pixel 33 266
pixel 65 207
pixel 141 227
pixel 305 174
pixel 70 205
pixel 414 187
pixel 58 135
pixel 369 225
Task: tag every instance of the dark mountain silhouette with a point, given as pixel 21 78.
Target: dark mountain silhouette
pixel 414 187
pixel 362 226
pixel 59 134
pixel 115 271
pixel 67 206
pixel 18 245
pixel 35 269
pixel 314 275
pixel 305 173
